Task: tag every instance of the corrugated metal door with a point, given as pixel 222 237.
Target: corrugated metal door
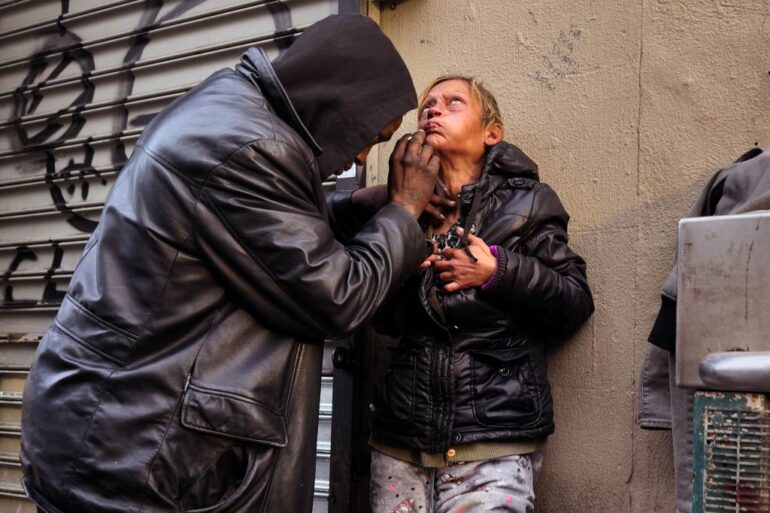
pixel 78 81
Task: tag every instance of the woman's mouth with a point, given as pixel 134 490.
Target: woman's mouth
pixel 430 127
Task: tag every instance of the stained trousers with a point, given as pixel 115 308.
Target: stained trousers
pixel 502 484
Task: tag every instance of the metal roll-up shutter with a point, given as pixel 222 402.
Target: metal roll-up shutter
pixel 79 79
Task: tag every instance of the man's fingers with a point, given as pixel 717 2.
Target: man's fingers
pixel 433 164
pixel 400 149
pixel 434 212
pixel 442 202
pixel 415 143
pixel 446 276
pixel 426 152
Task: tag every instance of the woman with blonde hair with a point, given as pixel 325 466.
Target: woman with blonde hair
pixel 462 413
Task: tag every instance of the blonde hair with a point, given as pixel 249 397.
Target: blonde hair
pixel 490 112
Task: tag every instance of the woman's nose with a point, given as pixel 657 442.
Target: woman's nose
pixel 433 111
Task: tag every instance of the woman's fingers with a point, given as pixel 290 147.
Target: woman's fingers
pixel 452 287
pixel 476 241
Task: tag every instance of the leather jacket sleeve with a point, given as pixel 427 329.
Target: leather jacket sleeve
pixel 545 283
pixel 346 218
pixel 275 250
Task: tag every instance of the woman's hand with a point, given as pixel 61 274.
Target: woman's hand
pixel 459 271
pixel 433 257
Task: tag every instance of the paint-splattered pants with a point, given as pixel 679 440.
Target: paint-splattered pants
pixel 502 484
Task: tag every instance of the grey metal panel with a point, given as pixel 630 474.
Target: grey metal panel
pixel 722 292
pixel 78 82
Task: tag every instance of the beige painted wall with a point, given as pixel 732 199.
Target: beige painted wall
pixel 628 107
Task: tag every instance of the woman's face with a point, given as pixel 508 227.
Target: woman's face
pixel 451 118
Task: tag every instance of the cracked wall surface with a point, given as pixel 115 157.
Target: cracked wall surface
pixel 628 107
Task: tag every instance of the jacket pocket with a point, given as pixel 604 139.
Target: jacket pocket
pixel 237 475
pixel 504 388
pixel 221 413
pixel 395 395
pixel 90 331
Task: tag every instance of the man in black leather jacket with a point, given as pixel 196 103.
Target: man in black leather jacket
pixel 182 371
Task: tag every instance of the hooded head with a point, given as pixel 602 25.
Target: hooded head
pixel 347 83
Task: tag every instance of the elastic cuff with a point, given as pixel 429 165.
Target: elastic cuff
pixel 502 260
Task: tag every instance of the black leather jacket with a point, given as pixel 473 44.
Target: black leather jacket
pixel 182 371
pixel 472 367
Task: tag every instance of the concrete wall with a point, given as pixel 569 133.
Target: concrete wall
pixel 628 107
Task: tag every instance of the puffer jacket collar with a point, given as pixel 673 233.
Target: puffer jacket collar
pixel 503 161
pixel 256 67
pixel 509 160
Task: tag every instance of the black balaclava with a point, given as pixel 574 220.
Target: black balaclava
pixel 347 83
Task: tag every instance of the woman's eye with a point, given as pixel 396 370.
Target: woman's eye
pixel 456 99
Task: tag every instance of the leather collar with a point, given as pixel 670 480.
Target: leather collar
pixel 257 68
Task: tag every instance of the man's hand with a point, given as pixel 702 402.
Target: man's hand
pixel 413 172
pixel 372 199
pixel 459 271
pixel 440 204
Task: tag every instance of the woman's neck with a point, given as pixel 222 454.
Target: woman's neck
pixel 458 172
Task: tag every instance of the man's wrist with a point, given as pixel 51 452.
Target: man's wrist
pixel 410 209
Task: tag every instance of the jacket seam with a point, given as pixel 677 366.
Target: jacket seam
pixel 154 456
pixel 274 466
pixel 99 320
pixel 153 314
pixel 88 346
pixel 73 467
pixel 273 470
pixel 165 164
pixel 275 140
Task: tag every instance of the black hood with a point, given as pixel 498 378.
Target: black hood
pixel 347 82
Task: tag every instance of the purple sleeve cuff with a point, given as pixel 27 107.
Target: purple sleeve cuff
pixel 494 277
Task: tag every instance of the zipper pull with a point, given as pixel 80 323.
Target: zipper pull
pixel 187 382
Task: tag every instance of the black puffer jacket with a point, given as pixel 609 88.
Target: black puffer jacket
pixel 182 372
pixel 475 370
